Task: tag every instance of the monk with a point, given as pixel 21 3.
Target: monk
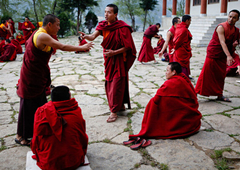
pixel 160 43
pixel 181 119
pixel 234 69
pixel 35 74
pixel 27 28
pixel 119 54
pixel 4 29
pixel 10 53
pixel 20 38
pixel 169 39
pixel 2 44
pixel 220 53
pixel 12 27
pixel 17 45
pixel 59 138
pixel 81 42
pixel 146 53
pixel 182 51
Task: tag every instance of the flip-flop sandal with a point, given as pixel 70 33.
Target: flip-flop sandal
pixel 138 145
pixel 131 140
pixel 111 119
pixel 147 143
pixel 18 141
pixel 224 99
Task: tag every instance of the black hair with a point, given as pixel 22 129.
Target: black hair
pixel 175 20
pixel 60 93
pixel 1 38
pixel 175 66
pixel 115 7
pixel 11 38
pixel 10 18
pixel 7 40
pixel 234 10
pixel 3 21
pixel 80 38
pixel 185 18
pixel 160 35
pixel 27 18
pixel 49 18
pixel 158 24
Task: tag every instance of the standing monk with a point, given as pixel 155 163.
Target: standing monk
pixel 35 74
pixel 27 28
pixel 4 29
pixel 146 53
pixel 119 55
pixel 169 39
pixel 182 51
pixel 220 53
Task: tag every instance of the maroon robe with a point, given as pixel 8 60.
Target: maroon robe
pixel 212 76
pixel 18 46
pixel 231 70
pixel 20 39
pixel 2 44
pixel 163 120
pixel 183 51
pixel 82 43
pixel 27 33
pixel 9 54
pixel 146 53
pixel 170 43
pixel 117 67
pixel 59 139
pixel 157 49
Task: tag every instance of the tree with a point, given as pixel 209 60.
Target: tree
pixel 147 5
pixel 64 24
pixel 180 8
pixel 129 9
pixel 91 21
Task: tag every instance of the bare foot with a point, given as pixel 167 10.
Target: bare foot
pixel 112 118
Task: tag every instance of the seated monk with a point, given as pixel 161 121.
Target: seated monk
pixel 17 44
pixel 20 38
pixel 81 42
pixel 173 111
pixel 159 47
pixel 234 69
pixel 10 52
pixel 59 138
pixel 2 44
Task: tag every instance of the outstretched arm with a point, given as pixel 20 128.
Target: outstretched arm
pixel 90 37
pixel 220 32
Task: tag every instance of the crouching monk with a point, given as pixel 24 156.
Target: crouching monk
pixel 59 139
pixel 181 118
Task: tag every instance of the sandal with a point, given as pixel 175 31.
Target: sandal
pixel 131 140
pixel 147 143
pixel 138 145
pixel 111 119
pixel 223 99
pixel 18 141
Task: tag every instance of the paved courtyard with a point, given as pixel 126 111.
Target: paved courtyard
pixel 215 146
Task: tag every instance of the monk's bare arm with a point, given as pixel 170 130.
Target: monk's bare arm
pixel 110 53
pixel 220 32
pixel 46 40
pixel 90 37
pixel 169 35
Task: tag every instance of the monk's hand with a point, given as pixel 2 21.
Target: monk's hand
pixel 172 51
pixel 82 35
pixel 235 43
pixel 88 46
pixel 160 54
pixel 108 53
pixel 230 60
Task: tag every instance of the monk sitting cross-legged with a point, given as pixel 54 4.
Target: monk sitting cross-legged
pixel 59 139
pixel 9 53
pixel 181 119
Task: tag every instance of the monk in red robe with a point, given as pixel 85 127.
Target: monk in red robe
pixel 4 29
pixel 20 38
pixel 35 74
pixel 81 42
pixel 2 44
pixel 10 53
pixel 17 45
pixel 27 28
pixel 181 119
pixel 12 27
pixel 220 53
pixel 146 53
pixel 160 43
pixel 59 138
pixel 119 55
pixel 169 39
pixel 182 48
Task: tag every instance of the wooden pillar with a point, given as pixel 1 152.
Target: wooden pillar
pixel 164 8
pixel 224 4
pixel 187 7
pixel 174 8
pixel 203 8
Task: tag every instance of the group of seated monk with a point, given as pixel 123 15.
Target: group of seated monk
pixel 9 52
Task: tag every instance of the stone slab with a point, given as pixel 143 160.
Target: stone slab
pixel 137 122
pixel 211 107
pixel 8 129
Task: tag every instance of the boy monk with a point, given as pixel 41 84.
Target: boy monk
pixel 59 139
pixel 35 74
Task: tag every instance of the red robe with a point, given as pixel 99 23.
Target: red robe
pixel 9 54
pixel 146 53
pixel 157 49
pixel 35 72
pixel 82 43
pixel 18 46
pixel 117 67
pixel 172 112
pixel 182 40
pixel 2 44
pixel 59 139
pixel 20 39
pixel 170 43
pixel 8 32
pixel 3 32
pixel 27 33
pixel 231 70
pixel 212 76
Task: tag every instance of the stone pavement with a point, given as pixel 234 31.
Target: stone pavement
pixel 84 74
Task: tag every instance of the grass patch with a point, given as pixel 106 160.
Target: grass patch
pixel 137 165
pixel 126 129
pixel 218 153
pixel 232 135
pixel 106 140
pixel 225 114
pixel 3 148
pixel 208 130
pixel 164 166
pixel 222 164
pixel 93 95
